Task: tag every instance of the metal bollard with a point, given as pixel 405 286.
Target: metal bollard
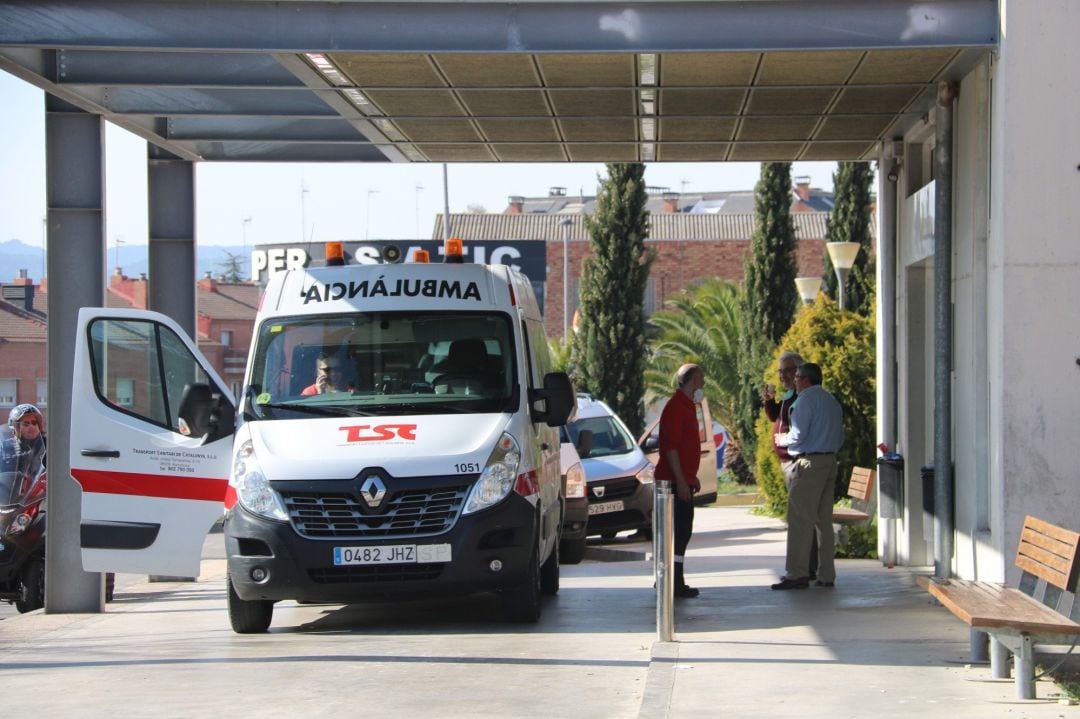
pixel 664 560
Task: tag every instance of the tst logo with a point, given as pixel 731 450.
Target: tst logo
pixel 378 432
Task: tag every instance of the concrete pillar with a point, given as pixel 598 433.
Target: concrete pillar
pixel 75 182
pixel 171 189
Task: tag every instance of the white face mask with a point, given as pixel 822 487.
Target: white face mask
pixel 699 395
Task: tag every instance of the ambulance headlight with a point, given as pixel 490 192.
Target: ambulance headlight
pixel 498 477
pixel 252 488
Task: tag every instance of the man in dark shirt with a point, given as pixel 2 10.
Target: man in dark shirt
pixel 778 410
pixel 680 456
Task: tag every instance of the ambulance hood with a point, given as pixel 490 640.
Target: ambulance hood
pixel 406 446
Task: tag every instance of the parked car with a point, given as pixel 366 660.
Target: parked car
pixel 576 512
pixel 707 470
pixel 618 476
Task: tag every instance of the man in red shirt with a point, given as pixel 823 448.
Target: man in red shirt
pixel 680 455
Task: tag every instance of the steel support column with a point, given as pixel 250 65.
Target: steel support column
pixel 943 314
pixel 888 176
pixel 75 181
pixel 171 190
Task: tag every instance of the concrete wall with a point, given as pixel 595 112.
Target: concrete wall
pixel 1034 269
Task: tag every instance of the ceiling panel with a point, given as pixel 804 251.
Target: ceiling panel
pixel 592 70
pixel 439 130
pixel 388 70
pixel 456 153
pixel 705 69
pixel 837 151
pixel 875 99
pixel 807 68
pixel 789 101
pixel 608 129
pixel 504 103
pixel 518 130
pixel 703 129
pixel 692 152
pixel 849 128
pixel 420 103
pixel 902 66
pixel 483 70
pixel 530 153
pixel 583 103
pixel 701 102
pixel 765 152
pixel 602 152
pixel 777 128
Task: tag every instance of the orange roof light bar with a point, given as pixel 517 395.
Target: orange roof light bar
pixel 335 254
pixel 454 253
pixel 421 256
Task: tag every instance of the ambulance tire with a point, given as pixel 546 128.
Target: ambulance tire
pixel 521 604
pixel 549 573
pixel 248 617
pixel 572 551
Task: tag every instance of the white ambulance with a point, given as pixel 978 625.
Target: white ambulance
pixel 396 437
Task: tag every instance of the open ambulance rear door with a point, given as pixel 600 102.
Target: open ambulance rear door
pixel 152 483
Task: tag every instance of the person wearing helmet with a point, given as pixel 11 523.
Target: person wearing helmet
pixel 28 429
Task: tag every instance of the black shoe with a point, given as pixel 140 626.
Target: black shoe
pixel 686 592
pixel 812 576
pixel 785 583
pixel 824 584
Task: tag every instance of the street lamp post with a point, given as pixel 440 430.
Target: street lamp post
pixel 565 224
pixel 808 288
pixel 842 255
pixel 244 222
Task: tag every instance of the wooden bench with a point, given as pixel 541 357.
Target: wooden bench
pixel 1018 619
pixel 861 490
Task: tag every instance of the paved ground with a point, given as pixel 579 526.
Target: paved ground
pixel 873 646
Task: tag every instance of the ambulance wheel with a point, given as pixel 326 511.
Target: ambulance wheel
pixel 32 592
pixel 549 573
pixel 522 603
pixel 572 551
pixel 248 617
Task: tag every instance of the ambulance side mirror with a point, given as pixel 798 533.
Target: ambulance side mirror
pixel 205 413
pixel 556 402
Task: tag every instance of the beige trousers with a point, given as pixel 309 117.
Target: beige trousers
pixel 811 485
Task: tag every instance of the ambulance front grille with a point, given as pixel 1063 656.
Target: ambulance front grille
pixel 413 512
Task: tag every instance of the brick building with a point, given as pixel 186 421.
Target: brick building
pixel 225 320
pixel 688 246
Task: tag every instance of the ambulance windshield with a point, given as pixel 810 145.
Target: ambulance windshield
pixel 383 364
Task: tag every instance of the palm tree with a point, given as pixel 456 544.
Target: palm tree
pixel 702 326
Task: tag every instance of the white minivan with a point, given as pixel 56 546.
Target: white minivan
pixel 428 466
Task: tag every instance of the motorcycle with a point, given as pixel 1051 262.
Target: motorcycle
pixel 22 524
pixel 23 480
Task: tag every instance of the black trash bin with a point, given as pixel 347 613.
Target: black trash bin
pixel 890 485
pixel 927 472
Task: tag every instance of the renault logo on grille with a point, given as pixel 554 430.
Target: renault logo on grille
pixel 373 490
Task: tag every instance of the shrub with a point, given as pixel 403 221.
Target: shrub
pixel 843 344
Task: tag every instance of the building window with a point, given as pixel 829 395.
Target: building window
pixel 9 390
pixel 43 393
pixel 226 338
pixel 649 304
pixel 125 392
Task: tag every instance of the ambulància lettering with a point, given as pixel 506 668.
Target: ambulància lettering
pixel 330 291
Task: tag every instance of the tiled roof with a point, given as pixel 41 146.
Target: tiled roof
pixel 230 302
pixel 17 325
pixel 664 226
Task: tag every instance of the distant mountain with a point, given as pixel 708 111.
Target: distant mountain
pixel 16 255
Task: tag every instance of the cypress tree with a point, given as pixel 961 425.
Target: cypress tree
pixel 769 298
pixel 609 347
pixel 850 222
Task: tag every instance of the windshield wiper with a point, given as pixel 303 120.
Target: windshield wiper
pixel 308 408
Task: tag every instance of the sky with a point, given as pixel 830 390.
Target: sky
pixel 249 203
